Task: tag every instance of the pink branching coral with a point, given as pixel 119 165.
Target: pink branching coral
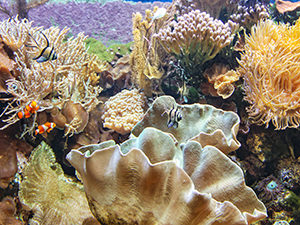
pixel 271 71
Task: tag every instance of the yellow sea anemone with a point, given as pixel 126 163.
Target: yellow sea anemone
pixel 270 66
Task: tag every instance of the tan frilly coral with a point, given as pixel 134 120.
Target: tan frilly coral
pixel 204 123
pixel 123 111
pixel 128 189
pixel 53 197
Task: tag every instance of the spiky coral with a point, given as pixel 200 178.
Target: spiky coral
pixel 71 77
pixel 270 67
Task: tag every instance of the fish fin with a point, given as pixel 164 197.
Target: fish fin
pixel 40 59
pixel 170 124
pixel 47 41
pixel 175 125
pixel 31 46
pixel 34 39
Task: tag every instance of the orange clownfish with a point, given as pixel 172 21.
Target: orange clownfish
pixel 28 110
pixel 45 127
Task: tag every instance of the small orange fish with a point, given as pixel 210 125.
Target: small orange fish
pixel 29 109
pixel 45 127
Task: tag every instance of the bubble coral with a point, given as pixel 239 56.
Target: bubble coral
pixel 123 111
pixel 270 67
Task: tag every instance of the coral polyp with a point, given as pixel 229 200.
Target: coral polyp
pixel 269 189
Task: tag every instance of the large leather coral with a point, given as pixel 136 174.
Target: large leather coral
pixel 131 188
pixel 204 123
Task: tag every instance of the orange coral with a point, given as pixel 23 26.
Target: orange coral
pixel 270 66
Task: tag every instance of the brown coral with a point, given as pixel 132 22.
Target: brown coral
pixel 123 111
pixel 271 71
pixel 7 211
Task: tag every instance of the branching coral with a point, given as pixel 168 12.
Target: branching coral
pixel 271 71
pixel 71 77
pixel 196 38
pixel 53 197
pixel 146 56
pixel 123 111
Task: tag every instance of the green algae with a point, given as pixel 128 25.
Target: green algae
pixel 106 53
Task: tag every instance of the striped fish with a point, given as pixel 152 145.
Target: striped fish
pixel 45 127
pixel 174 116
pixel 45 53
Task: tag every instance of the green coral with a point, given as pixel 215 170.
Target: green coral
pixel 106 53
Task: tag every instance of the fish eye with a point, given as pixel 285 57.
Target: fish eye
pixel 14 87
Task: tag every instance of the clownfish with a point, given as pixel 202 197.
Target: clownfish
pixel 29 109
pixel 45 127
pixel 45 53
pixel 174 116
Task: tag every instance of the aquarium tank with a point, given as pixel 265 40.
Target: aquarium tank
pixel 182 112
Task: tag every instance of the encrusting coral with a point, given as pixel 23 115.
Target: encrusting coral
pixel 53 197
pixel 124 110
pixel 141 183
pixel 271 72
pixel 203 123
pixel 71 77
pixel 7 211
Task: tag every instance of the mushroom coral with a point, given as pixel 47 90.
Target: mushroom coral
pixel 270 66
pixel 140 183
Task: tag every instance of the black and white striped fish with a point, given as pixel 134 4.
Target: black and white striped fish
pixel 46 53
pixel 174 116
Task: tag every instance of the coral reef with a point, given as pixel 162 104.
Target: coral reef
pixel 202 123
pixel 134 178
pixel 73 76
pixel 123 111
pixel 44 183
pixel 286 6
pixel 270 70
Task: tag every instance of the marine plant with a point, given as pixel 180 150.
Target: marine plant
pixel 271 72
pixel 105 53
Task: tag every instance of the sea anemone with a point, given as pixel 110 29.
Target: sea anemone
pixel 269 189
pixel 270 66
